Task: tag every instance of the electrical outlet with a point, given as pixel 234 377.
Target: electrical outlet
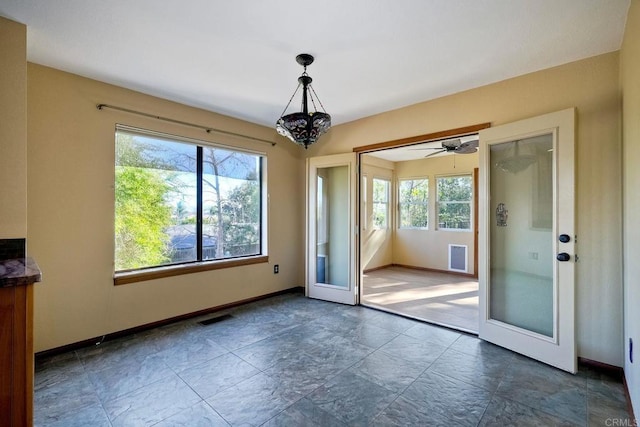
pixel 276 269
pixel 533 255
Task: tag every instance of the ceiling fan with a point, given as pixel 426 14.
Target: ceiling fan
pixel 453 145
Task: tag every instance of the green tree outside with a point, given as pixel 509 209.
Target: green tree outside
pixel 142 214
pixel 241 218
pixel 414 203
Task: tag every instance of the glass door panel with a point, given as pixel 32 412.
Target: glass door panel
pixel 521 263
pixel 332 235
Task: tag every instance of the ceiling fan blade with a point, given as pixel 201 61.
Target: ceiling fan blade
pixel 442 150
pixel 467 147
pixel 473 143
pixel 426 148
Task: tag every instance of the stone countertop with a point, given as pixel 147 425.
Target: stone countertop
pixel 19 272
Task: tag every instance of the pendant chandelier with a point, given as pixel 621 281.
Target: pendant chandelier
pixel 304 128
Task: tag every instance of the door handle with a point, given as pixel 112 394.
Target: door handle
pixel 563 256
pixel 564 238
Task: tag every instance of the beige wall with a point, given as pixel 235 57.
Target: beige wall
pixel 630 82
pixel 71 212
pixel 591 85
pixel 430 248
pixel 13 129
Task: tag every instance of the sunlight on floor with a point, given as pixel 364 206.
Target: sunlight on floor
pixel 446 299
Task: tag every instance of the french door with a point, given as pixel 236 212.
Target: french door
pixel 527 238
pixel 331 228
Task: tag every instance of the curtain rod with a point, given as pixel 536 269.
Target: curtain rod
pixel 180 122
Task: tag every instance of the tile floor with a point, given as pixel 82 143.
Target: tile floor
pixel 441 298
pixel 293 361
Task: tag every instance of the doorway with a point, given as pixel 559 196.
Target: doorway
pixel 504 297
pixel 418 242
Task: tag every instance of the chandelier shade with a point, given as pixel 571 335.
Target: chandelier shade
pixel 304 128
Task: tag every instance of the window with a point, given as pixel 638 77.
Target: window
pixel 179 202
pixel 414 203
pixel 380 203
pixel 454 202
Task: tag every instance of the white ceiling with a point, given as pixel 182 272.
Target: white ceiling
pixel 238 57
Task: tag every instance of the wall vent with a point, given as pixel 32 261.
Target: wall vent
pixel 215 319
pixel 458 258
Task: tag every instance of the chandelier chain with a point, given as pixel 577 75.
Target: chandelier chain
pixel 320 102
pixel 291 99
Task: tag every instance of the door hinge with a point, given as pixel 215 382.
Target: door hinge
pixel 576 257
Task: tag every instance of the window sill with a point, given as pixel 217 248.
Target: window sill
pixel 177 270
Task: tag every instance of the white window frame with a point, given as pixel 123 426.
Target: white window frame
pixel 469 202
pixel 400 204
pixel 386 202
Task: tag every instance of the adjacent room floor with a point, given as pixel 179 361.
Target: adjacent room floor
pixel 441 298
pixel 293 361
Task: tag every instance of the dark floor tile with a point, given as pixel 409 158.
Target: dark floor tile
pixel 313 332
pixel 326 350
pixel 404 412
pixel 338 352
pixel 482 371
pixel 44 363
pixel 413 350
pixel 524 365
pixel 217 374
pixel 432 334
pixel 269 352
pixel 92 415
pixel 113 353
pixel 306 414
pixel 391 322
pixel 165 337
pixel 606 387
pixel 112 383
pixel 199 415
pixel 61 399
pixel 603 411
pixel 369 335
pixel 235 335
pixel 299 309
pixel 152 403
pixel 392 373
pixel 192 351
pixel 262 314
pixel 462 403
pixel 504 412
pixel 545 388
pixel 57 369
pixel 253 401
pixel 303 374
pixel 352 399
pixel 365 315
pixel 473 345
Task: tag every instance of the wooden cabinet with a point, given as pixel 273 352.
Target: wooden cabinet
pixel 16 344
